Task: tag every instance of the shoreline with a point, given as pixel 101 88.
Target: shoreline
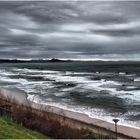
pixel 21 97
pixel 72 110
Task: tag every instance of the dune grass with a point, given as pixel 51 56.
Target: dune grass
pixel 11 130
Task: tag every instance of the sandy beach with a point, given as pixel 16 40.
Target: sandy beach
pixel 79 118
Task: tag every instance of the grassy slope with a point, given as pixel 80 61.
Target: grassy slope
pixel 9 129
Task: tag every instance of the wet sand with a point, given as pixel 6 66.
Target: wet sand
pixel 21 97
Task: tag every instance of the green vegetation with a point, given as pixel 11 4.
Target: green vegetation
pixel 9 130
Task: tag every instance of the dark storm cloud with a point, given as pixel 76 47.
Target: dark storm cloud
pixel 78 29
pixel 119 33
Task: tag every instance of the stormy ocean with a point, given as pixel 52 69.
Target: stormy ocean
pixel 103 90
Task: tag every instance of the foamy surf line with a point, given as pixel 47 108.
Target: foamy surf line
pixel 96 115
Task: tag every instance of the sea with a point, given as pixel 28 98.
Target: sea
pixel 103 90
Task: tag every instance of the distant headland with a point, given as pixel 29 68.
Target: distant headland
pixel 32 60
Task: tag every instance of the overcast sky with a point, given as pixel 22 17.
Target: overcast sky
pixel 70 30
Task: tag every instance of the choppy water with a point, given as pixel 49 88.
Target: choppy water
pixel 101 91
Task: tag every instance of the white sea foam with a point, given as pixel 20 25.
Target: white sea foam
pixel 137 79
pixel 82 82
pixel 122 73
pixel 131 87
pixel 131 75
pixel 20 80
pixel 59 94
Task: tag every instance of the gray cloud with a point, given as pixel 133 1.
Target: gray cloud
pixel 78 29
